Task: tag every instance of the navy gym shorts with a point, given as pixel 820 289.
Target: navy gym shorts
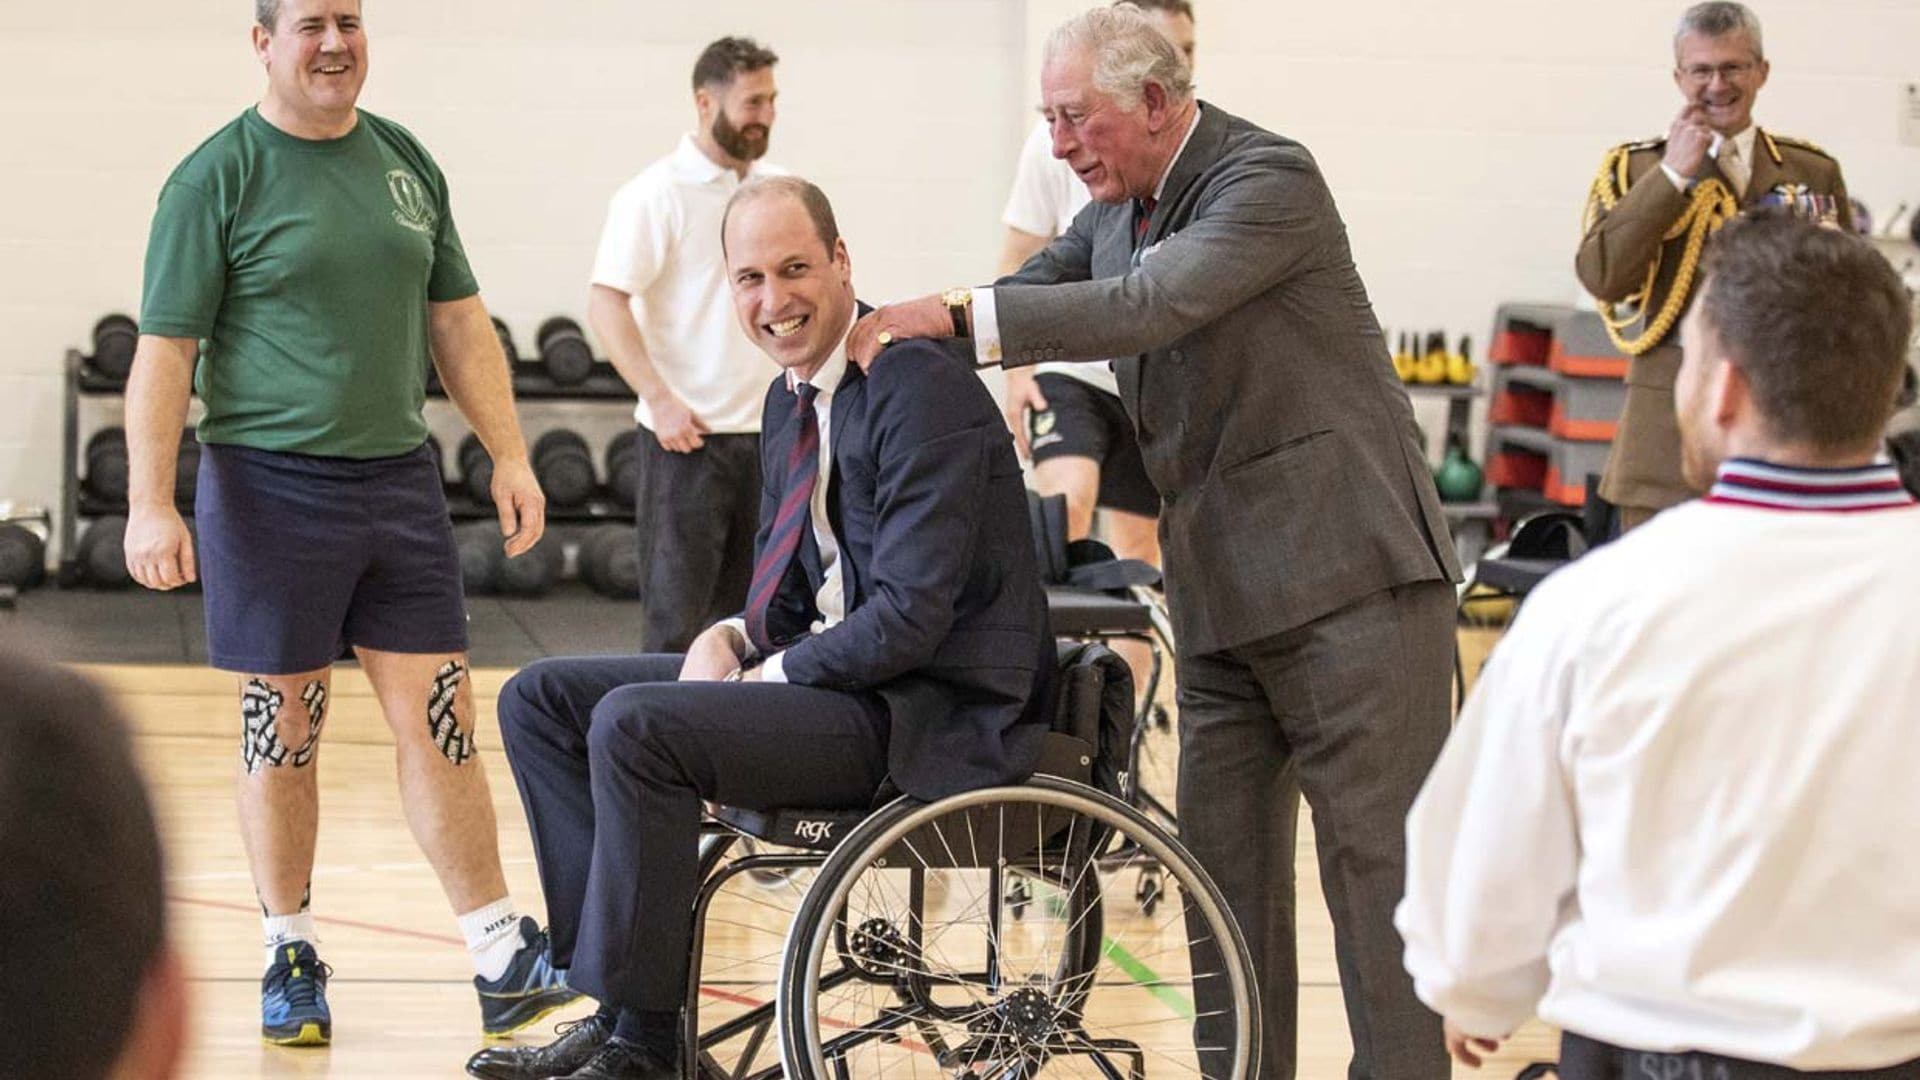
pixel 301 556
pixel 1085 421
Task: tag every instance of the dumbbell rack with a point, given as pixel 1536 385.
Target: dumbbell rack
pixel 529 384
pixel 82 380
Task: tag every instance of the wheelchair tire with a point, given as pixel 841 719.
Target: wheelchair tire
pixel 1063 992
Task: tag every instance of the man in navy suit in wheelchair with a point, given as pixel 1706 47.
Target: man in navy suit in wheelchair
pixel 895 632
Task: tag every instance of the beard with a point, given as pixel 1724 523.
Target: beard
pixel 741 144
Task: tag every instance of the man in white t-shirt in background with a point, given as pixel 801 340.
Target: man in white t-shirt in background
pixel 1067 418
pixel 1678 816
pixel 661 308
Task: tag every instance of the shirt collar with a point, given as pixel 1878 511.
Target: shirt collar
pixel 1744 140
pixel 692 164
pixel 1193 125
pixel 827 379
pixel 1750 482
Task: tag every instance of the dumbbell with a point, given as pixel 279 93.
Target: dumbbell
pixel 506 340
pixel 480 556
pixel 623 467
pixel 564 467
pixel 532 572
pixel 186 468
pixel 610 562
pixel 23 557
pixel 103 553
pixel 564 351
pixel 476 469
pixel 106 454
pixel 114 339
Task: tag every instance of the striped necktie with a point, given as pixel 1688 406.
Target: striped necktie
pixel 1142 214
pixel 789 522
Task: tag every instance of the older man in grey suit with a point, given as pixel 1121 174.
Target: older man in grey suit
pixel 1308 565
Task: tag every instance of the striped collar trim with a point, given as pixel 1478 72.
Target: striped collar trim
pixel 1746 482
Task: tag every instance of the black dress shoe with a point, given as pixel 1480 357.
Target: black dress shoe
pixel 577 1043
pixel 617 1060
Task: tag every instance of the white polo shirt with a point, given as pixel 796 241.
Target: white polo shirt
pixel 1680 810
pixel 661 246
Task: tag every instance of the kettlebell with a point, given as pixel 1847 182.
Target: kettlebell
pixel 1460 364
pixel 1458 478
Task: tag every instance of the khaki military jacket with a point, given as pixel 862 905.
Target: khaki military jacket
pixel 1628 259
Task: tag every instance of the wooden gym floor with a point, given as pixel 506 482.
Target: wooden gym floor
pixel 402 998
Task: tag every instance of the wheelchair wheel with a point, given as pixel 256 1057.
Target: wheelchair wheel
pixel 749 894
pixel 905 960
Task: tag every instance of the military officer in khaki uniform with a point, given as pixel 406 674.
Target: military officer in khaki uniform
pixel 1655 205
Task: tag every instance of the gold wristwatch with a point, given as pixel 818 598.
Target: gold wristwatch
pixel 959 305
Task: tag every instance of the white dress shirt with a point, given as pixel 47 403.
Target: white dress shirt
pixel 831 599
pixel 661 246
pixel 986 322
pixel 1681 809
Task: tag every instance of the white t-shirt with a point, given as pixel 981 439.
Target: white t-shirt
pixel 1680 808
pixel 661 245
pixel 1045 197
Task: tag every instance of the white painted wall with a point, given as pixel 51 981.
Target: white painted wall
pixel 1459 138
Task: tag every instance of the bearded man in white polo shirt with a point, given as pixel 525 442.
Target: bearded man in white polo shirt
pixel 1678 816
pixel 662 310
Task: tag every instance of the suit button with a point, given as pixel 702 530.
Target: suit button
pixel 1177 356
pixel 1170 498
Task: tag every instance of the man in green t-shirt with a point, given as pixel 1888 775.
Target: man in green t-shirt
pixel 303 271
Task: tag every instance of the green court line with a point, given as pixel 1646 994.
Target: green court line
pixel 1129 964
pixel 1149 981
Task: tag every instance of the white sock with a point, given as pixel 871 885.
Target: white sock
pixel 493 936
pixel 283 930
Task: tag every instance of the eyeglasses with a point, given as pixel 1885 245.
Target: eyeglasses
pixel 1704 73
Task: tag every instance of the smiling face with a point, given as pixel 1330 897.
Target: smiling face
pixel 1720 76
pixel 1109 148
pixel 793 296
pixel 316 60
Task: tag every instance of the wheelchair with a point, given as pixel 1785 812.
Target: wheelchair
pixel 884 943
pixel 1092 596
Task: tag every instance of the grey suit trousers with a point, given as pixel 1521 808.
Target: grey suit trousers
pixel 1351 711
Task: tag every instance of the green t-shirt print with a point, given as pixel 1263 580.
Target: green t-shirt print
pixel 306 267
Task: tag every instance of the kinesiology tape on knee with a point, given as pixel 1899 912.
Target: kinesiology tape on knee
pixel 260 742
pixel 442 721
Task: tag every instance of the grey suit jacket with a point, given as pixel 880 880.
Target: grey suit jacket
pixel 1285 450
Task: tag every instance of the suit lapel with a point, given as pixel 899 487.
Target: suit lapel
pixel 1209 136
pixel 844 431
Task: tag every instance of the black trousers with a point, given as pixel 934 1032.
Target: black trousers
pixel 613 757
pixel 1582 1058
pixel 1349 710
pixel 696 514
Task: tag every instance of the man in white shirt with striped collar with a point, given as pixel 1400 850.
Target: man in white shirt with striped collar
pixel 1679 814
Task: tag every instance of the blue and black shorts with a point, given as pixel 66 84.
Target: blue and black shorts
pixel 302 556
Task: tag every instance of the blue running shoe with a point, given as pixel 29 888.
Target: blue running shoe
pixel 293 998
pixel 529 989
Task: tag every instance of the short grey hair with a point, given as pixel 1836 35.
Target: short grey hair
pixel 1128 52
pixel 267 13
pixel 1719 17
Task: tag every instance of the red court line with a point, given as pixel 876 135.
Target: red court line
pixel 224 905
pixel 448 939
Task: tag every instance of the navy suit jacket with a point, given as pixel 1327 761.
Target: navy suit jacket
pixel 946 617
